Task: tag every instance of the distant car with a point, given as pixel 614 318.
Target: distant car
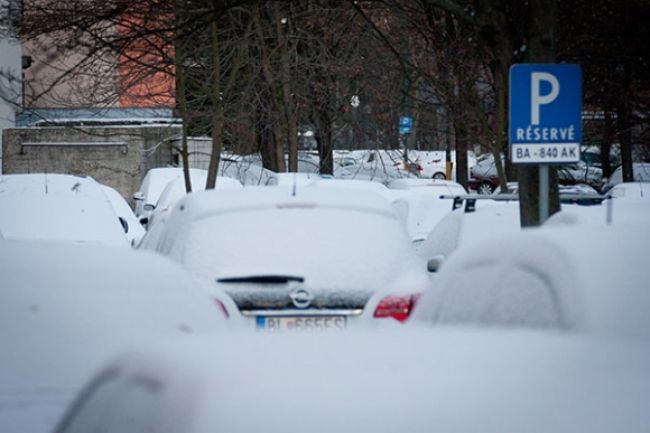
pixel 67 307
pixel 375 165
pixel 584 279
pixel 58 207
pixel 631 191
pixel 566 190
pixel 627 203
pixel 296 258
pixel 484 178
pixel 152 186
pixel 469 225
pixel 432 163
pixel 580 173
pixel 419 204
pixel 417 381
pixel 175 190
pixel 641 171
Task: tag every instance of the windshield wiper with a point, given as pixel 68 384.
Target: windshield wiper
pixel 263 279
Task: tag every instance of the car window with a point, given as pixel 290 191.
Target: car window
pixel 356 242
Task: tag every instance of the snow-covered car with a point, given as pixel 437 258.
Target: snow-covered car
pixel 631 191
pixel 580 173
pixel 626 203
pixel 419 204
pixel 58 207
pixel 641 172
pixel 375 165
pixel 466 226
pixel 66 308
pixel 247 169
pixel 431 164
pixel 132 226
pixel 566 191
pixel 585 279
pixel 417 381
pixel 175 190
pixel 152 186
pixel 485 180
pixel 298 258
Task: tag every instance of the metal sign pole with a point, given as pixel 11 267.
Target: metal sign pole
pixel 543 194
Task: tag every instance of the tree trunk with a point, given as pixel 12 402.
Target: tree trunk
pixel 542 21
pixel 501 127
pixel 182 107
pixel 625 130
pixel 606 145
pixel 461 153
pixel 324 141
pixel 265 141
pixel 278 142
pixel 287 97
pixel 217 108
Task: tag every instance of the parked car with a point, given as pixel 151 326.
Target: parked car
pixel 584 279
pixel 417 381
pixel 175 190
pixel 641 171
pixel 67 307
pixel 468 225
pixel 432 163
pixel 132 226
pixel 304 257
pixel 375 165
pixel 631 191
pixel 484 178
pixel 628 203
pixel 152 186
pixel 59 207
pixel 419 204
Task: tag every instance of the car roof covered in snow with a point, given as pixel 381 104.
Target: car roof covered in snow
pixel 205 203
pixel 586 278
pixel 57 207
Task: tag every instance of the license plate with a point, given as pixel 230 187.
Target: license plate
pixel 307 323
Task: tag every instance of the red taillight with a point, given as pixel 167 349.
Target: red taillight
pixel 420 168
pixel 398 307
pixel 222 307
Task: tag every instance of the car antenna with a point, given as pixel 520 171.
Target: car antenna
pixel 293 193
pixel 46 182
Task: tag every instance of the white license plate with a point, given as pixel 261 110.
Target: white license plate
pixel 307 323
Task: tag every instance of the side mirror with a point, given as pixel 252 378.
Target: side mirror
pixel 138 196
pixel 144 221
pixel 433 264
pixel 125 225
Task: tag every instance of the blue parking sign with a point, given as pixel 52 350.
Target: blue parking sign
pixel 545 113
pixel 405 125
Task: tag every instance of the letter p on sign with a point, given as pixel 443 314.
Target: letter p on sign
pixel 536 98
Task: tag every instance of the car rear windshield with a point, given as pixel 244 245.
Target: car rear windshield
pixel 295 241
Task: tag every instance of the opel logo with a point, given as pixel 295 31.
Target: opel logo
pixel 301 298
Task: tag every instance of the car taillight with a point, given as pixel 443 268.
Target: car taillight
pixel 420 168
pixel 222 307
pixel 399 307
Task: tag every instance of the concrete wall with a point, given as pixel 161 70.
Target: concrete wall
pixel 115 156
pixel 10 83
